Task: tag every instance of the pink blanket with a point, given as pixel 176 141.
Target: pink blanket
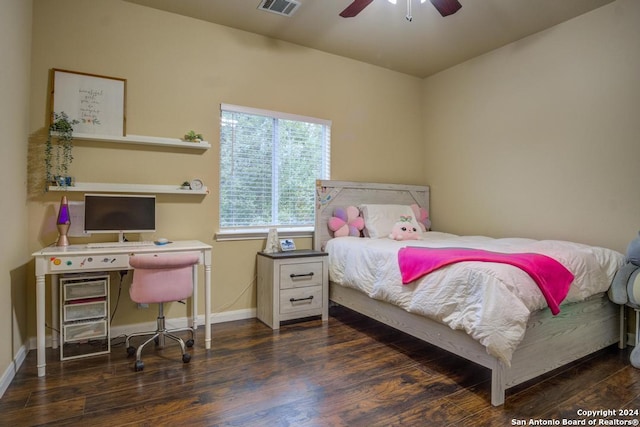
pixel 552 278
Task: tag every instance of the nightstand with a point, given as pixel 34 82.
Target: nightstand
pixel 292 285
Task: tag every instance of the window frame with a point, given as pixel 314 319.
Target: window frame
pixel 260 232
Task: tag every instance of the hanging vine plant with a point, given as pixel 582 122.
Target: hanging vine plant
pixel 58 149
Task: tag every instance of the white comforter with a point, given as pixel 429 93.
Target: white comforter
pixel 489 301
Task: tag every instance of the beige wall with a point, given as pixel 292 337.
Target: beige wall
pixel 178 71
pixel 15 45
pixel 541 137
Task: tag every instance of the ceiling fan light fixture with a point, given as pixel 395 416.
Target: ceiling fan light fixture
pixel 445 7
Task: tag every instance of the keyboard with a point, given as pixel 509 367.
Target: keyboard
pixel 120 244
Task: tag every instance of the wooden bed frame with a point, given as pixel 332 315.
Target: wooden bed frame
pixel 549 342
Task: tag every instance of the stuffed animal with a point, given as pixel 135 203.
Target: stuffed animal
pixel 620 289
pixel 625 288
pixel 404 230
pixel 346 222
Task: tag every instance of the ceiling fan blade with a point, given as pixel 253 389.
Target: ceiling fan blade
pixel 355 8
pixel 446 7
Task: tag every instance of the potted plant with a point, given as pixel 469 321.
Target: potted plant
pixel 186 185
pixel 191 136
pixel 58 149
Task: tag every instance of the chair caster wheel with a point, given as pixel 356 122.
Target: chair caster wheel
pixel 131 351
pixel 189 343
pixel 186 358
pixel 139 366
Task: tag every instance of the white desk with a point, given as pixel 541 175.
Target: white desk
pixel 54 260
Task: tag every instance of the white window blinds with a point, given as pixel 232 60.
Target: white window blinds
pixel 269 162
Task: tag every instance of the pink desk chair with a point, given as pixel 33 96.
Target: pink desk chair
pixel 159 279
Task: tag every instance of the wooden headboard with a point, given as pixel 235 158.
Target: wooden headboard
pixel 340 194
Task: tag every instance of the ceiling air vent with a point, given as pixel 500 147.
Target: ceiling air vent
pixel 281 7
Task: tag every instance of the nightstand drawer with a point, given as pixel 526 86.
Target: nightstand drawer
pixel 300 275
pixel 303 299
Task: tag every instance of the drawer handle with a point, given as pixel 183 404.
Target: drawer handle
pixel 295 276
pixel 300 299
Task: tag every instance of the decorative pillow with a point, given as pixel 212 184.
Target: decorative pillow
pixel 346 222
pixel 405 230
pixel 380 219
pixel 422 216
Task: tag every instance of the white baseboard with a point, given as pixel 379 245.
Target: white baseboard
pixel 182 322
pixel 230 316
pixel 10 372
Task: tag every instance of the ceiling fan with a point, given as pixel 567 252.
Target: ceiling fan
pixel 445 7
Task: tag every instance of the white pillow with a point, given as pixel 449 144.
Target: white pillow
pixel 379 219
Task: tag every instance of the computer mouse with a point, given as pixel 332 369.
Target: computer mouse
pixel 162 241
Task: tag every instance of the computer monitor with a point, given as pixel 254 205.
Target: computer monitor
pixel 119 213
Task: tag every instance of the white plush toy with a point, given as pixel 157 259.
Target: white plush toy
pixel 404 230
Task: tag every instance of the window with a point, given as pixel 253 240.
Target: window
pixel 269 163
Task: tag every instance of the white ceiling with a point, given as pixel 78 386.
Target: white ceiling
pixel 381 35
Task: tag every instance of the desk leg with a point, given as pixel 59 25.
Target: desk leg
pixel 40 325
pixel 194 299
pixel 207 306
pixel 55 311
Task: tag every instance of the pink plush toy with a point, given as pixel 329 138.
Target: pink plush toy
pixel 404 230
pixel 346 222
pixel 422 216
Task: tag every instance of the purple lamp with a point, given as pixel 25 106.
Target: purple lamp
pixel 63 222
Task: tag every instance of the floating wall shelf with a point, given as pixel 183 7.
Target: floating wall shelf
pixel 143 140
pixel 100 187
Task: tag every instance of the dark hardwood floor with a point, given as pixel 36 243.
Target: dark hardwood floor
pixel 350 371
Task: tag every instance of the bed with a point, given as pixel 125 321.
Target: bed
pixel 587 320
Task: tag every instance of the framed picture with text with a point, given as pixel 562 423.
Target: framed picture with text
pixel 96 102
